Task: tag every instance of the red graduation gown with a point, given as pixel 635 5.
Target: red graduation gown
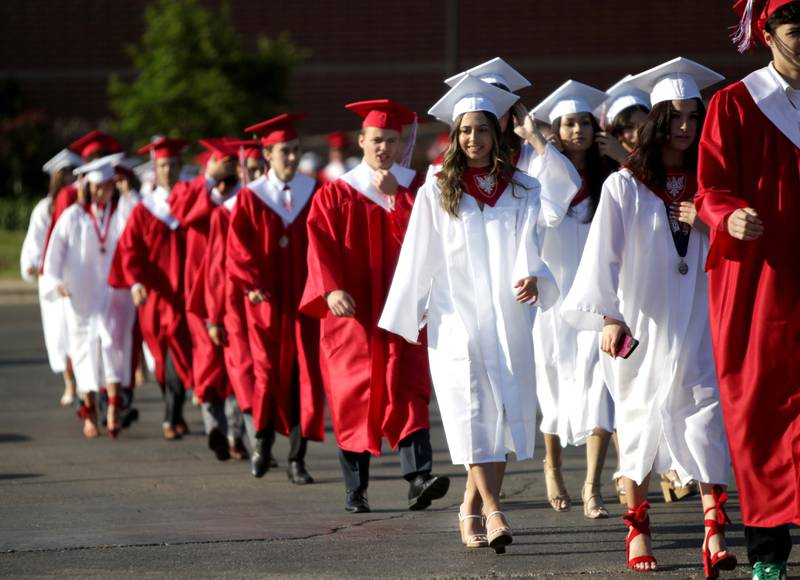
pixel 377 384
pixel 745 161
pixel 218 299
pixel 151 254
pixel 190 203
pixel 279 335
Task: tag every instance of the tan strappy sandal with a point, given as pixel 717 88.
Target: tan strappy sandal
pixel 499 537
pixel 478 540
pixel 593 506
pixel 556 490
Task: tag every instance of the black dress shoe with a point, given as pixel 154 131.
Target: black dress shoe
pixel 218 443
pixel 425 488
pixel 356 502
pixel 129 416
pixel 261 460
pixel 298 474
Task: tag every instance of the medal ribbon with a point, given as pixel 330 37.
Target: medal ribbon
pixel 480 184
pixel 102 237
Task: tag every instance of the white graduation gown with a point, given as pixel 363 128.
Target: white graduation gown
pixel 99 318
pixel 666 399
pixel 479 338
pixel 572 394
pixel 54 324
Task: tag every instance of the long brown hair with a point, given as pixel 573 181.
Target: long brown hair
pixel 646 162
pixel 597 168
pixel 455 163
pixel 59 179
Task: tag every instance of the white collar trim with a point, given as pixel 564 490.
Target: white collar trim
pixel 360 179
pixel 156 203
pixel 772 100
pixel 269 189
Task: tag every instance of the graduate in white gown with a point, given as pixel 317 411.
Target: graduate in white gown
pixel 530 151
pixel 470 268
pixel 575 403
pixel 54 325
pixel 99 318
pixel 642 275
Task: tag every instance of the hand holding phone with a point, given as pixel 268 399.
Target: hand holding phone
pixel 626 345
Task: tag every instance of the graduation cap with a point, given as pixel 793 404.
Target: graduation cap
pixel 753 15
pixel 676 80
pixel 161 147
pixel 623 95
pixel 220 148
pixel 101 169
pixel 570 98
pixel 93 142
pixel 61 160
pixel 279 129
pixel 337 140
pixel 382 114
pixel 248 148
pixel 495 72
pixel 470 95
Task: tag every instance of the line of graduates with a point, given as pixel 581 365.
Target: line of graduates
pixel 514 275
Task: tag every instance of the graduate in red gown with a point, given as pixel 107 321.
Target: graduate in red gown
pixel 378 386
pixel 192 203
pixel 749 184
pixel 149 260
pixel 267 244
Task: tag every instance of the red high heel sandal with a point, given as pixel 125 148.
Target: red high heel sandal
pixel 713 563
pixel 114 404
pixel 638 519
pixel 88 413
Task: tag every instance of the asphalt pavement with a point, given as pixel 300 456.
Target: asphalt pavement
pixel 140 507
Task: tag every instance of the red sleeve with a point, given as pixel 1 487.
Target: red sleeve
pixel 196 303
pixel 132 257
pixel 242 256
pixel 214 272
pixel 189 201
pixel 65 197
pixel 324 255
pixel 718 176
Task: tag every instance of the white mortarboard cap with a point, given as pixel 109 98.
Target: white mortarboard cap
pixel 144 171
pixel 100 170
pixel 495 71
pixel 623 95
pixel 676 80
pixel 469 95
pixel 62 159
pixel 570 98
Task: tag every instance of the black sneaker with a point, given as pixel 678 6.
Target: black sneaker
pixel 356 502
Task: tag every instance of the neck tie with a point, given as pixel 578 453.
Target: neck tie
pixel 287 197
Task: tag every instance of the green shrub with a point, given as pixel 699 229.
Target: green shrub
pixel 15 212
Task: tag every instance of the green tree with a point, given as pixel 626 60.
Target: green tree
pixel 197 78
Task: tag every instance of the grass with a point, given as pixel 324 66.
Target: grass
pixel 10 246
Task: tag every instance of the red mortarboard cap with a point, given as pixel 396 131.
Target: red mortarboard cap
pixel 94 141
pixel 221 148
pixel 754 15
pixel 247 149
pixel 164 147
pixel 201 159
pixel 338 140
pixel 276 130
pixel 382 113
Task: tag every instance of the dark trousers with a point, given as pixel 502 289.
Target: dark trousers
pixel 174 393
pixel 416 457
pixel 768 545
pixel 297 443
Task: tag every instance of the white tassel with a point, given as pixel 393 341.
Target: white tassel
pixel 412 138
pixel 743 35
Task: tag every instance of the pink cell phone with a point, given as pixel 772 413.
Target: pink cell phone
pixel 626 346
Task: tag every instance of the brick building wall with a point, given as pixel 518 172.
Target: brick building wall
pixel 63 51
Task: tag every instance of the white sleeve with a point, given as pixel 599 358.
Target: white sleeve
pixel 31 253
pixel 528 261
pixel 560 182
pixel 55 258
pixel 594 292
pixel 421 259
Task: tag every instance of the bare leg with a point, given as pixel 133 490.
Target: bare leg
pixel 717 542
pixel 596 448
pixel 90 419
pixel 484 475
pixel 635 495
pixel 557 493
pixel 473 505
pixel 69 386
pixel 112 417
